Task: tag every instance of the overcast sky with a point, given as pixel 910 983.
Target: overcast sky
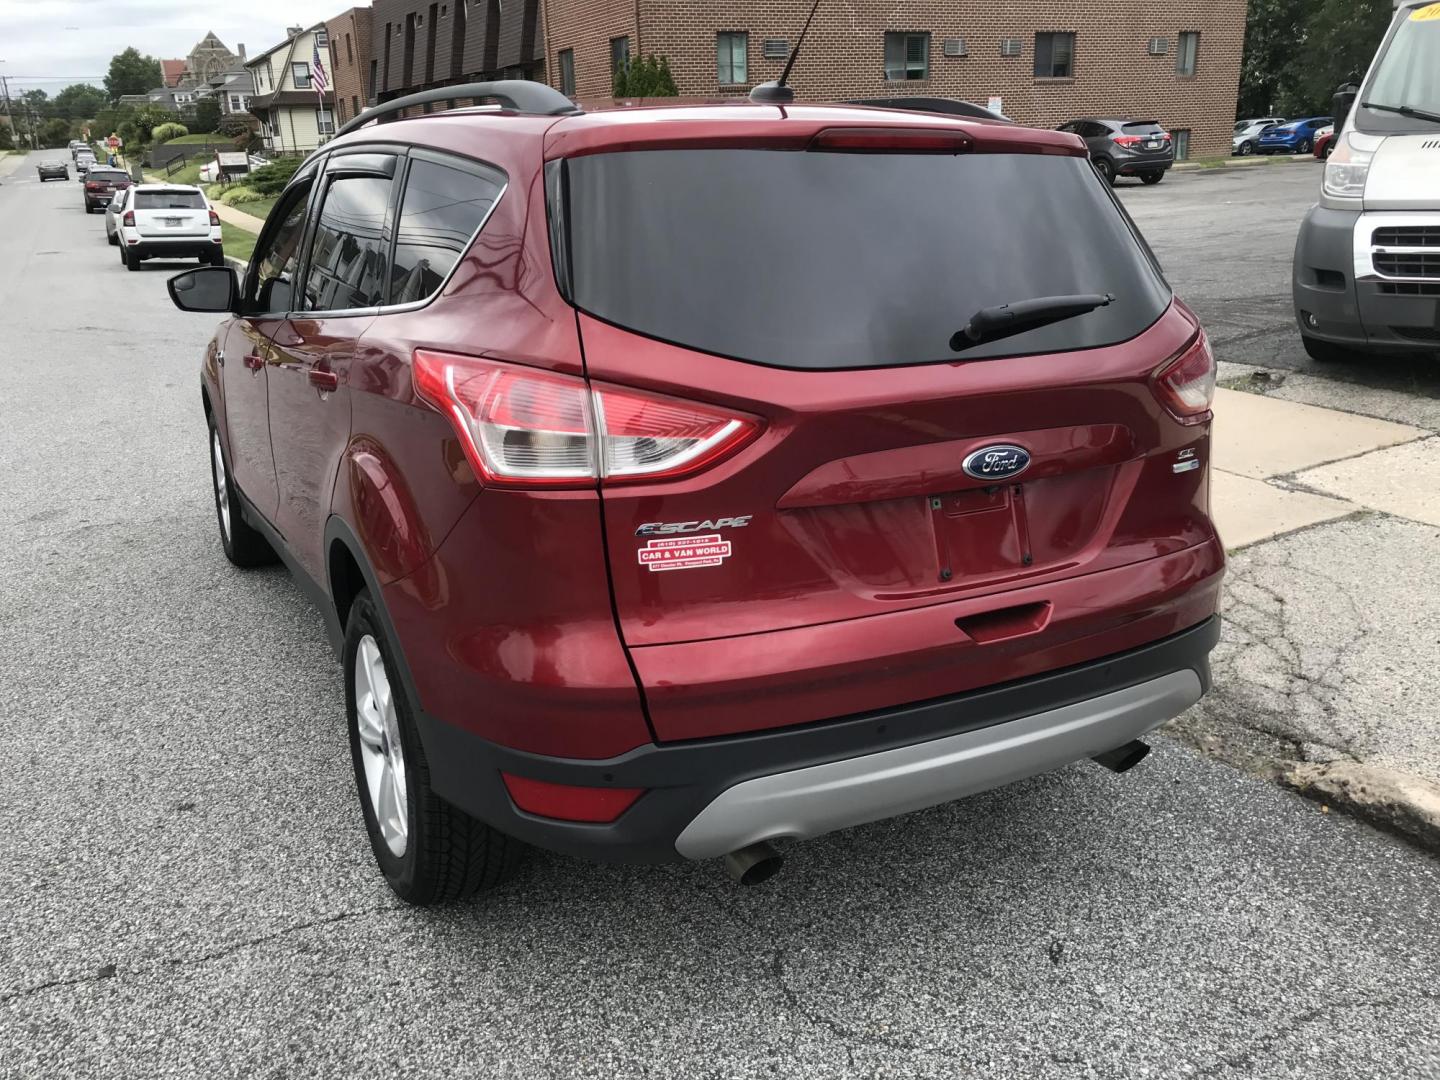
pixel 41 39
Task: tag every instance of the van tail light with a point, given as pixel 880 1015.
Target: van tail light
pixel 214 218
pixel 1185 384
pixel 523 427
pixel 128 219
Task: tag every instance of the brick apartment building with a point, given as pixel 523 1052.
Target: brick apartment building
pixel 419 44
pixel 350 55
pixel 1048 61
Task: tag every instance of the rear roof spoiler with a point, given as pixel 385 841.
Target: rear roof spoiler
pixel 519 95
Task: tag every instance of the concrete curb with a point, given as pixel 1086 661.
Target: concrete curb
pixel 1394 801
pixel 1257 162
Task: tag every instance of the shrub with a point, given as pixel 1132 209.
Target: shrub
pixel 239 195
pixel 234 126
pixel 648 77
pixel 163 133
pixel 271 179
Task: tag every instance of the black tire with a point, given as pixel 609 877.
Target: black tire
pixel 1106 169
pixel 447 854
pixel 244 545
pixel 1329 149
pixel 1325 352
pixel 215 258
pixel 1152 177
pixel 112 239
pixel 132 259
pixel 1246 149
pixel 1303 147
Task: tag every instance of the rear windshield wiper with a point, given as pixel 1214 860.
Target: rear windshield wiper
pixel 1007 320
pixel 1403 110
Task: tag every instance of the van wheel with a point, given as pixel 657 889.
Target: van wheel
pixel 243 544
pixel 1106 170
pixel 1325 352
pixel 428 850
pixel 1152 177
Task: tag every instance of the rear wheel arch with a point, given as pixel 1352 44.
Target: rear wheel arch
pixel 348 572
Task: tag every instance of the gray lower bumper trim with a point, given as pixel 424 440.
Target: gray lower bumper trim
pixel 808 802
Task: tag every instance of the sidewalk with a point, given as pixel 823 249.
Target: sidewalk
pixel 1325 678
pixel 12 161
pixel 238 218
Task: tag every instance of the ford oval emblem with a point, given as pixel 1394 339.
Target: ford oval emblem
pixel 997 462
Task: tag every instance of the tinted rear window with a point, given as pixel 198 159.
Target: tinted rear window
pixel 169 200
pixel 110 176
pixel 829 260
pixel 1142 127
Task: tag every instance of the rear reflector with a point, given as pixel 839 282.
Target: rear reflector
pixel 1185 384
pixel 567 802
pixel 523 427
pixel 892 140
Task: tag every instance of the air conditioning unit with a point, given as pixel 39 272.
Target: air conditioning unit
pixel 955 47
pixel 1159 46
pixel 1011 46
pixel 775 49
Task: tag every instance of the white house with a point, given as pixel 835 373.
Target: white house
pixel 292 117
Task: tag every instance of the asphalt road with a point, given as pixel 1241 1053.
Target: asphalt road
pixel 1226 239
pixel 186 890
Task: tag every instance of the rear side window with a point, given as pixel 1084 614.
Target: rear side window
pixel 829 260
pixel 347 260
pixel 441 211
pixel 169 200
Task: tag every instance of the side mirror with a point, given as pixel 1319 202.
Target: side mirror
pixel 1343 102
pixel 210 288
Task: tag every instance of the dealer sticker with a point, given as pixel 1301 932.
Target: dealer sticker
pixel 684 552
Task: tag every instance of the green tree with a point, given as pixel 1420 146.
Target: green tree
pixel 207 114
pixel 1341 37
pixel 1274 34
pixel 54 132
pixel 79 101
pixel 131 73
pixel 7 140
pixel 647 77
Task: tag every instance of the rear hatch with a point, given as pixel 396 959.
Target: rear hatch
pixel 812 296
pixel 105 181
pixel 1145 139
pixel 171 213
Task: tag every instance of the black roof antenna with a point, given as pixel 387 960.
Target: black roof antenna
pixel 777 93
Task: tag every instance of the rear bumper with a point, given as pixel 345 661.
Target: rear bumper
pixel 709 796
pixel 1136 166
pixel 192 247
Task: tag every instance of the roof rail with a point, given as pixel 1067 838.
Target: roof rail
pixel 522 95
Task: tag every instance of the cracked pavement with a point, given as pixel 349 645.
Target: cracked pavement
pixel 186 891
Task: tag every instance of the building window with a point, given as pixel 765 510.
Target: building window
pixel 354 105
pixel 619 54
pixel 300 76
pixel 730 54
pixel 374 74
pixel 349 52
pixel 907 57
pixel 1054 56
pixel 324 122
pixel 567 72
pixel 1182 143
pixel 322 38
pixel 1187 53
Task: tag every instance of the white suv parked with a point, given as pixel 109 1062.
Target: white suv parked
pixel 165 221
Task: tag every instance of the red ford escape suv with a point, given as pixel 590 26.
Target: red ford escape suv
pixel 678 480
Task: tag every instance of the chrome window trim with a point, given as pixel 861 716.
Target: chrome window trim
pixel 1364 249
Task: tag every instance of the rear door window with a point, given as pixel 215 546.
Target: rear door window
pixel 819 260
pixel 346 268
pixel 444 205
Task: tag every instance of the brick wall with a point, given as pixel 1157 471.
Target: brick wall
pixel 446 42
pixel 844 54
pixel 350 38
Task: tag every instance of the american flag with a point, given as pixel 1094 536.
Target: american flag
pixel 318 78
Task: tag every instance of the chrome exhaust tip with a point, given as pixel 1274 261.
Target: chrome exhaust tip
pixel 753 864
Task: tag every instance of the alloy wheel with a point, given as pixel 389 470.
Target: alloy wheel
pixel 381 751
pixel 222 483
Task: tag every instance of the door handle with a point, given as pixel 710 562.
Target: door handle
pixel 254 362
pixel 324 381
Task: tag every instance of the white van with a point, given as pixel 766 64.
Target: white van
pixel 1367 262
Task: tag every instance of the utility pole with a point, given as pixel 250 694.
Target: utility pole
pixel 9 116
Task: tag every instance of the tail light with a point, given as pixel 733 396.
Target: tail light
pixel 892 140
pixel 1185 384
pixel 92 185
pixel 522 427
pixel 128 219
pixel 1128 140
pixel 569 802
pixel 214 218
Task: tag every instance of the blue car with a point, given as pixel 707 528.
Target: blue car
pixel 1296 137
